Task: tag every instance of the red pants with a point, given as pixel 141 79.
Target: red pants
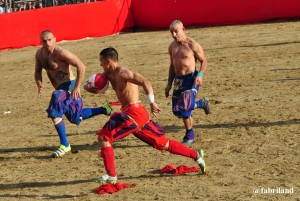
pixel 135 119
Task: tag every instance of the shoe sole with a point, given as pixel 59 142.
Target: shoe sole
pixel 203 165
pixel 56 155
pixel 190 142
pixel 207 110
pixel 105 182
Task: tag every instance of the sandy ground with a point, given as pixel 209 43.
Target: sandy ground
pixel 251 137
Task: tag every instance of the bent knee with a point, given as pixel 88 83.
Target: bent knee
pixel 56 120
pixel 103 141
pixel 166 147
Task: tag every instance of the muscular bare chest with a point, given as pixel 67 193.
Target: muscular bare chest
pixel 181 52
pixel 117 84
pixel 183 59
pixel 52 63
pixel 57 70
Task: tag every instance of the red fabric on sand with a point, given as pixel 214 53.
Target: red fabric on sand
pixel 112 188
pixel 182 169
pixel 115 103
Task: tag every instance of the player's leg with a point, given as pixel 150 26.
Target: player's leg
pixel 177 148
pixel 58 103
pixel 153 134
pixel 189 133
pixel 203 104
pixel 118 126
pixel 64 146
pixel 90 112
pixel 181 110
pixel 108 156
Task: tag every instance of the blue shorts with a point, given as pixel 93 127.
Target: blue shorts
pixel 62 103
pixel 67 86
pixel 184 95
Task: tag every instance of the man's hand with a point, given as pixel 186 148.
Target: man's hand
pixel 88 88
pixel 75 93
pixel 155 109
pixel 167 90
pixel 198 81
pixel 40 91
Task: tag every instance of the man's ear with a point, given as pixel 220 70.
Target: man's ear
pixel 109 60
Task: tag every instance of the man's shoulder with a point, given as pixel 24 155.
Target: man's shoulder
pixel 39 50
pixel 61 53
pixel 38 53
pixel 59 50
pixel 172 44
pixel 123 69
pixel 194 45
pixel 191 41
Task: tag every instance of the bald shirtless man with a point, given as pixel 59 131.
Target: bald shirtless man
pixel 66 99
pixel 133 117
pixel 184 53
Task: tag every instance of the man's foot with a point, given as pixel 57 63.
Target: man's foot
pixel 62 150
pixel 108 108
pixel 106 179
pixel 188 141
pixel 205 105
pixel 200 160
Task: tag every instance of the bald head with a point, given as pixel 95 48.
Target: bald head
pixel 48 40
pixel 176 23
pixel 46 32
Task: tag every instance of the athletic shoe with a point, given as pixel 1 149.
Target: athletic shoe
pixel 62 150
pixel 205 105
pixel 186 141
pixel 200 160
pixel 106 179
pixel 108 108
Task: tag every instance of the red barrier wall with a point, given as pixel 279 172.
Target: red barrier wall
pixel 107 17
pixel 69 22
pixel 157 14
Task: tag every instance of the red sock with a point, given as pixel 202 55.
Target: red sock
pixel 107 153
pixel 179 149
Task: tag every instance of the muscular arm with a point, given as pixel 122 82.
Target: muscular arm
pixel 199 55
pixel 171 68
pixel 38 74
pixel 140 80
pixel 137 79
pixel 171 73
pixel 76 62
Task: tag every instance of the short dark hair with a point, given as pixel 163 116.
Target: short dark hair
pixel 109 52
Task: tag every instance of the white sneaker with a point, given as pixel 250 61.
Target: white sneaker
pixel 106 179
pixel 62 150
pixel 200 160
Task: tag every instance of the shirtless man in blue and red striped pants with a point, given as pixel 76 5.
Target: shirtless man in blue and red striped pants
pixel 133 118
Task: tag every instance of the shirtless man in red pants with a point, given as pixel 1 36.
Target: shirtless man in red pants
pixel 133 118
